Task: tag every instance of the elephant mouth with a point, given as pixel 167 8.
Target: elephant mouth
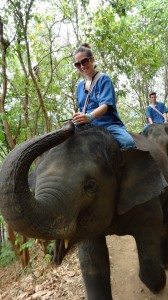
pixel 61 248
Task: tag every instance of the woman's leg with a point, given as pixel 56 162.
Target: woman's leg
pixel 122 136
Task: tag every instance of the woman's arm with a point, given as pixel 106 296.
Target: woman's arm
pixel 150 120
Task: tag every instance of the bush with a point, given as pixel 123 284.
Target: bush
pixel 7 255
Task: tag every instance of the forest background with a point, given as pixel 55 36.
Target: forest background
pixel 37 42
pixel 37 77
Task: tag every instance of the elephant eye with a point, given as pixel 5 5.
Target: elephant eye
pixel 91 186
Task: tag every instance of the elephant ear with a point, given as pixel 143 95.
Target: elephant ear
pixel 141 180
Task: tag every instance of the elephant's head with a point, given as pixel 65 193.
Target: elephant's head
pixel 159 134
pixel 80 184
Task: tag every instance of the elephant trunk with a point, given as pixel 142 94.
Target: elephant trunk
pixel 20 209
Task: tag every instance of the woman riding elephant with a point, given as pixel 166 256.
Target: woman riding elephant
pixel 96 99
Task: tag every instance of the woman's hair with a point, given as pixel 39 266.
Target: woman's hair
pixel 85 47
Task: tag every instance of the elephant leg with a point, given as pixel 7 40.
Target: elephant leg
pixel 151 271
pixel 164 237
pixel 164 246
pixel 95 267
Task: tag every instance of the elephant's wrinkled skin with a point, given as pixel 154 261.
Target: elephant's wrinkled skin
pixel 87 188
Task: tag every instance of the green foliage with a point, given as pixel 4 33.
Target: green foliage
pixel 49 252
pixel 7 255
pixel 128 38
pixel 48 258
pixel 50 247
pixel 1 220
pixel 28 245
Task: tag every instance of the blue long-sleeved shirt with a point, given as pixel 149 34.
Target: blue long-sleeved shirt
pixel 102 93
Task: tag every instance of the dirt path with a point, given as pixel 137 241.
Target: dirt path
pixel 124 272
pixel 43 282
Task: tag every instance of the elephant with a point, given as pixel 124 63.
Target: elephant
pixel 86 189
pixel 159 134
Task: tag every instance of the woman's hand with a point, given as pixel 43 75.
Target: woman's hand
pixel 80 118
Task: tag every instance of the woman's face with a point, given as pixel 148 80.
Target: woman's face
pixel 84 64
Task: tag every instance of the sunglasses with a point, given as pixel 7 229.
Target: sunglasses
pixel 83 62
